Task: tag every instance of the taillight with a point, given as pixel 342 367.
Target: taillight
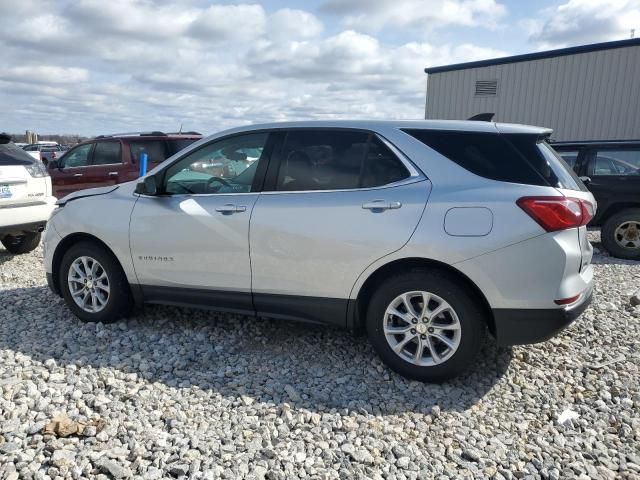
pixel 557 213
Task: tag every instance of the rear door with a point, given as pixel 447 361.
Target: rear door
pixel 335 201
pixel 107 166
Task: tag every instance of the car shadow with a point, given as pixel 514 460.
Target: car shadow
pixel 267 360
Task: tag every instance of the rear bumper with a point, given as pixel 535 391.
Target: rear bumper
pixel 524 326
pixel 17 219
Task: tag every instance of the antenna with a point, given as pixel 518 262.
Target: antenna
pixel 180 131
pixel 633 32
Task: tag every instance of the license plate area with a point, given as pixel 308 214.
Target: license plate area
pixel 5 191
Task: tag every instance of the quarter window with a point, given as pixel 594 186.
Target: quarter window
pixel 225 166
pixel 107 153
pixel 78 157
pixel 617 162
pixel 336 160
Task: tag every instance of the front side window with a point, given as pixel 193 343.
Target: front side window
pixel 616 162
pixel 225 166
pixel 336 160
pixel 107 153
pixel 78 157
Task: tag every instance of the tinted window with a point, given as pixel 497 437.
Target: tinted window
pixel 155 150
pixel 381 166
pixel 11 154
pixel 107 153
pixel 78 157
pixel 181 143
pixel 507 158
pixel 617 162
pixel 336 160
pixel 225 166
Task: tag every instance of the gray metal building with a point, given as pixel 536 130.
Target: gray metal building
pixel 590 92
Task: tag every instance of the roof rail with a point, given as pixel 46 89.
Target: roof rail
pixel 155 133
pixel 184 133
pixel 482 117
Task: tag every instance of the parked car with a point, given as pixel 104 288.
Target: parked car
pixel 25 198
pixel 113 159
pixel 611 170
pixel 424 234
pixel 44 151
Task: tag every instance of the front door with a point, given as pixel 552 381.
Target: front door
pixel 342 199
pixel 69 176
pixel 190 245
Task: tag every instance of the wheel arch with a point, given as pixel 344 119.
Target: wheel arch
pixel 358 307
pixel 614 209
pixel 63 247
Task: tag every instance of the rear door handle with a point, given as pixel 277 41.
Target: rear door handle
pixel 229 208
pixel 77 174
pixel 113 174
pixel 381 205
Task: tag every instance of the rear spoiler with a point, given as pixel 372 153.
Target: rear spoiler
pixel 482 117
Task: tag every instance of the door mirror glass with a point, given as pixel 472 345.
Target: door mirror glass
pixel 148 186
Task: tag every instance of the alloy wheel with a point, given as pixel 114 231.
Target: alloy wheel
pixel 422 328
pixel 88 284
pixel 627 234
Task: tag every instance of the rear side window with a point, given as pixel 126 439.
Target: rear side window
pixel 106 153
pixel 619 162
pixel 155 149
pixel 178 144
pixel 336 160
pixel 506 158
pixel 569 156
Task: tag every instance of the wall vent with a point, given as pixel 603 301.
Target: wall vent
pixel 486 87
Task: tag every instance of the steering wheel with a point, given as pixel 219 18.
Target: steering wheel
pixel 219 180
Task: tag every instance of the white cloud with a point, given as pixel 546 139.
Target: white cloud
pixel 88 67
pixel 416 14
pixel 585 21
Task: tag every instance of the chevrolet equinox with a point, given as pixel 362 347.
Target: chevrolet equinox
pixel 424 234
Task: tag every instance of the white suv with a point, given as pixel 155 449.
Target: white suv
pixel 423 234
pixel 26 201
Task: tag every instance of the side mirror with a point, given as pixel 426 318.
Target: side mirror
pixel 586 180
pixel 51 164
pixel 148 186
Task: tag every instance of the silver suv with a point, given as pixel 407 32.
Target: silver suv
pixel 424 234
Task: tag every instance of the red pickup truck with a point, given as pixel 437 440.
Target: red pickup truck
pixel 110 159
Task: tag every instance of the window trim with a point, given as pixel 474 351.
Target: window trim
pixel 415 175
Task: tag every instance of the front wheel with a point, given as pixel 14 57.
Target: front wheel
pixel 620 234
pixel 93 284
pixel 425 326
pixel 19 244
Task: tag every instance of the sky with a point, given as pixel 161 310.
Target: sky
pixel 93 67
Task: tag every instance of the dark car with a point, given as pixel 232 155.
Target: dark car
pixel 112 159
pixel 611 170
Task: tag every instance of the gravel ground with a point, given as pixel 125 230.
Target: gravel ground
pixel 185 393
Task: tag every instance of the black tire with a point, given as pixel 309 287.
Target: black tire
pixel 471 315
pixel 608 230
pixel 19 244
pixel 119 302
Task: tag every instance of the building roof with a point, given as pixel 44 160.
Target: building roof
pixel 560 52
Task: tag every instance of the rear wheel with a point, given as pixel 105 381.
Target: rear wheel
pixel 620 234
pixel 425 326
pixel 93 284
pixel 19 244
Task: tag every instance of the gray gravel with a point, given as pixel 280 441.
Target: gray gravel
pixel 177 393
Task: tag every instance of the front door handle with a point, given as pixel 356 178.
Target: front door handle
pixel 113 174
pixel 381 205
pixel 229 208
pixel 77 174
